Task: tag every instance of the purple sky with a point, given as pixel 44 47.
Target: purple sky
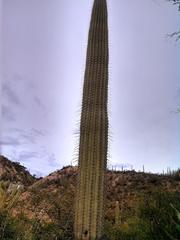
pixel 43 60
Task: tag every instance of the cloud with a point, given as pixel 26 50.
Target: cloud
pixel 32 135
pixel 178 94
pixel 10 94
pixel 26 155
pixel 41 154
pixel 40 161
pixel 9 141
pixel 24 137
pixel 49 158
pixel 38 132
pixel 7 114
pixel 27 136
pixel 52 160
pixel 14 137
pixel 39 102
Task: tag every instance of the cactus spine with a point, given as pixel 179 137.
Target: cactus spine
pixel 89 204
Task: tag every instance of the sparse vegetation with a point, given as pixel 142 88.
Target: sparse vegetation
pixel 156 217
pixel 137 207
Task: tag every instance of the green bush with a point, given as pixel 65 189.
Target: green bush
pixel 158 218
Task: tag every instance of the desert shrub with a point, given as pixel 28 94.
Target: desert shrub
pixel 157 218
pixel 113 232
pixel 52 231
pixel 8 198
pixel 160 217
pixel 9 229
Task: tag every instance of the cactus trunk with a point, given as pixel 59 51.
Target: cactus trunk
pixel 93 146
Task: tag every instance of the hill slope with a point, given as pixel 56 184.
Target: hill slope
pixel 14 172
pixel 57 191
pixel 47 198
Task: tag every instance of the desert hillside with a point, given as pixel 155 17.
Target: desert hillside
pixel 44 194
pixel 14 172
pixel 49 202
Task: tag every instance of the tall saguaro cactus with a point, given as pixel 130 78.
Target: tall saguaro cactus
pixel 93 146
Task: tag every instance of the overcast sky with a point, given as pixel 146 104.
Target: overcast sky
pixel 43 60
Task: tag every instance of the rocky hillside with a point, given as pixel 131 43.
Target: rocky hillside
pixel 57 191
pixel 14 172
pixel 51 198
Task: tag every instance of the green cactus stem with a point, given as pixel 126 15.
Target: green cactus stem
pixel 93 146
pixel 117 214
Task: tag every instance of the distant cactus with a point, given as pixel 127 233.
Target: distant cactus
pixel 89 205
pixel 117 214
